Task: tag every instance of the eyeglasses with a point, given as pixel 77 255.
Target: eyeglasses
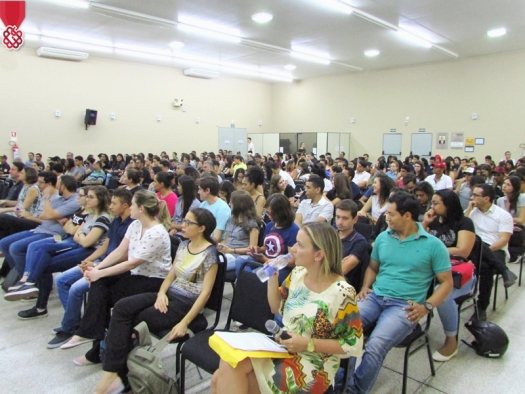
pixel 187 222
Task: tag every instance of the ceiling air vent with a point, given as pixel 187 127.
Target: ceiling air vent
pixel 65 54
pixel 195 72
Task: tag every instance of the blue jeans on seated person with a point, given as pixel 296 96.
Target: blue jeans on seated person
pixel 391 328
pixel 59 263
pixel 14 248
pixel 283 273
pixel 71 287
pixel 39 255
pixel 448 309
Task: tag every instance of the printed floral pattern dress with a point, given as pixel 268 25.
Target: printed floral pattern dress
pixel 332 314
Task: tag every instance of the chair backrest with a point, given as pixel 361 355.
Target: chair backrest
pixel 250 301
pixel 215 301
pixel 262 229
pixel 175 242
pixel 365 229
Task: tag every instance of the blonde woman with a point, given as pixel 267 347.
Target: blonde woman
pixel 319 313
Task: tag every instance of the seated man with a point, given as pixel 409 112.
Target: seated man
pixel 79 172
pixel 494 226
pixel 209 195
pixel 405 260
pixel 97 176
pixel 14 191
pixel 355 246
pixel 71 284
pixel 58 205
pixel 315 208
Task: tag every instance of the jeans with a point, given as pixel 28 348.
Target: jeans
pixel 14 248
pixel 40 253
pixel 71 287
pixel 59 263
pixel 283 273
pixel 391 327
pixel 448 309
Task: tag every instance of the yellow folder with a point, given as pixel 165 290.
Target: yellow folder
pixel 234 356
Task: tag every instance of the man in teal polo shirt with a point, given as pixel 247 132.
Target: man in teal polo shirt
pixel 403 264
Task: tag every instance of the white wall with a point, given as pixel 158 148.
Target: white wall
pixel 32 88
pixel 438 97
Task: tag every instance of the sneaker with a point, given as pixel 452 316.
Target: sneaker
pixel 56 330
pixel 60 338
pixel 29 299
pixel 16 286
pixel 24 291
pixel 515 259
pixel 509 278
pixel 32 313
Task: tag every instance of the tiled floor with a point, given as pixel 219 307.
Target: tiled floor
pixel 27 366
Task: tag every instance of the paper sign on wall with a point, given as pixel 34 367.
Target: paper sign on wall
pixel 14 136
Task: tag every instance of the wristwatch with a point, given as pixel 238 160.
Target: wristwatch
pixel 429 306
pixel 310 347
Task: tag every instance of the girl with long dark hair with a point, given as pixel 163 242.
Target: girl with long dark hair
pixel 187 201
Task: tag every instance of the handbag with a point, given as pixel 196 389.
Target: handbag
pixel 462 271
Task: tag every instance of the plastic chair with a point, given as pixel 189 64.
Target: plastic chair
pixel 518 251
pixel 248 307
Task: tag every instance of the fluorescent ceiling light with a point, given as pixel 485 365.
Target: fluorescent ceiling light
pixel 497 32
pixel 176 44
pixel 413 38
pixel 208 33
pixel 290 67
pixel 132 14
pixel 337 5
pixel 372 53
pixel 262 17
pixel 71 3
pixel 310 58
pixel 141 55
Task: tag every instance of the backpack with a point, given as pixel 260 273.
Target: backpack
pixel 146 374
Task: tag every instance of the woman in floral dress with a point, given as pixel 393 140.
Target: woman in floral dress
pixel 319 313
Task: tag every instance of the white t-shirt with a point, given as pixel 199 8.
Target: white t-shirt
pixel 251 147
pixel 445 182
pixel 361 177
pixel 311 212
pixel 154 247
pixel 488 225
pixel 287 176
pixel 514 213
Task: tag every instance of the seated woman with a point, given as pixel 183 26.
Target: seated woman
pixel 147 246
pixel 29 195
pixel 341 190
pixel 253 184
pixel 446 221
pixel 376 205
pixel 514 203
pixel 242 228
pixel 162 184
pixel 225 191
pixel 238 178
pixel 279 236
pixel 43 258
pixel 279 185
pixel 424 192
pixel 173 305
pixel 187 201
pixel 320 314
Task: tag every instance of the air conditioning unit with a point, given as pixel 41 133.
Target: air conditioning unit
pixel 198 73
pixel 65 54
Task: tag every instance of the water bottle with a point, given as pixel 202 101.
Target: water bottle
pixel 273 266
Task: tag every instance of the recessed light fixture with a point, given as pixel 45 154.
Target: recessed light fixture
pixel 262 17
pixel 497 32
pixel 372 53
pixel 290 67
pixel 176 44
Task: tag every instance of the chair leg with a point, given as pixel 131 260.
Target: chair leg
pixel 405 369
pixel 182 374
pixel 430 359
pixel 495 292
pixel 521 268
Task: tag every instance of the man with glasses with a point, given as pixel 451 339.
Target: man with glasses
pixel 494 226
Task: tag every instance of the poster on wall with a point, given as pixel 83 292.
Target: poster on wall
pixel 442 141
pixel 469 141
pixel 456 141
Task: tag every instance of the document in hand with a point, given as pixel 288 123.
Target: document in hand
pixel 250 341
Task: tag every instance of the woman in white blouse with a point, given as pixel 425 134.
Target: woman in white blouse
pixel 139 265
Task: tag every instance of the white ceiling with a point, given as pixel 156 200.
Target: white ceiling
pixel 457 26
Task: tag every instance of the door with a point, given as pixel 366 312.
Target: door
pixel 392 143
pixel 421 144
pixel 310 141
pixel 233 139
